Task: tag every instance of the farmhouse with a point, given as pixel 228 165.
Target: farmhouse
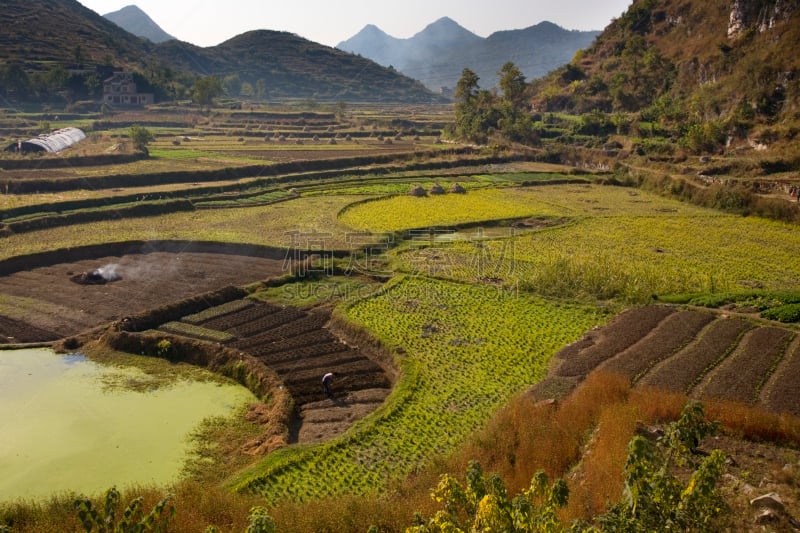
pixel 52 142
pixel 120 89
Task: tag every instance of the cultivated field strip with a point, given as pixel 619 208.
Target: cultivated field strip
pixel 313 322
pixel 700 353
pixel 624 331
pixel 17 331
pixel 46 297
pixel 295 345
pixel 741 376
pixel 683 370
pixel 672 334
pixel 217 311
pixel 266 323
pixel 240 317
pixel 782 393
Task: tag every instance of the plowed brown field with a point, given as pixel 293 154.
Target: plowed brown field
pixel 41 303
pixel 699 352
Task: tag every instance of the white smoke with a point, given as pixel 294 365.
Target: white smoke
pixel 109 272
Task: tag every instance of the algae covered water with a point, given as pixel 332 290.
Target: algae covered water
pixel 63 428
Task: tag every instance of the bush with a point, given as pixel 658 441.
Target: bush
pixel 784 313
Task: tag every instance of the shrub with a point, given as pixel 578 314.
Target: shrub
pixel 784 313
pixel 133 519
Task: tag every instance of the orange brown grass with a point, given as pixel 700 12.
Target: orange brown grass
pixel 598 480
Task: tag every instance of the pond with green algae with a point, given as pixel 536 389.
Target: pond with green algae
pixel 67 425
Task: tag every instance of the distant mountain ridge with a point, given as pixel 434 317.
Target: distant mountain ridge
pixel 134 20
pixel 438 54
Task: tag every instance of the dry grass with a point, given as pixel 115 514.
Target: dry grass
pixel 756 424
pixel 598 481
pixel 528 436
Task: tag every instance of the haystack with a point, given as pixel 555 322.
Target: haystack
pixel 418 191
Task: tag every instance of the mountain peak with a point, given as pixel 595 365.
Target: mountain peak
pixel 438 54
pixel 446 30
pixel 132 19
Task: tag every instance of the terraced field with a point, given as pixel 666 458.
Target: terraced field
pixel 297 347
pixel 708 355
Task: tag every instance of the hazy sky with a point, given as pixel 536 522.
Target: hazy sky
pixel 208 23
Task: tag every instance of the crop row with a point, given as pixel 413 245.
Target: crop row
pixel 306 324
pixel 624 331
pixel 266 323
pixel 699 353
pixel 784 392
pixel 309 338
pixel 682 371
pixel 217 311
pixel 294 344
pixel 197 332
pixel 246 314
pixel 742 374
pixel 676 331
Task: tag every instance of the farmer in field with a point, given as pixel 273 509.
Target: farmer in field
pixel 327 381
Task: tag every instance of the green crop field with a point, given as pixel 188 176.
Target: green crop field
pixel 407 212
pixel 459 369
pixel 617 243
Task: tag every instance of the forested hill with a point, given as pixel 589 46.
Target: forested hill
pixel 688 59
pixel 39 34
pixel 291 66
pixel 61 50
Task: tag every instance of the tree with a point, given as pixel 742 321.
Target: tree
pixel 654 499
pixel 471 107
pixel 233 85
pixel 205 90
pixel 467 87
pixel 77 55
pixel 512 83
pixel 14 81
pixel 261 88
pixel 140 137
pixel 247 89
